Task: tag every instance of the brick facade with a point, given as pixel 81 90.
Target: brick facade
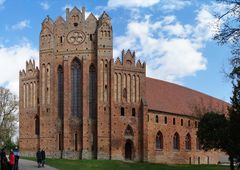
pixel 115 118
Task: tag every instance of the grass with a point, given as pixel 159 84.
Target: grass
pixel 64 164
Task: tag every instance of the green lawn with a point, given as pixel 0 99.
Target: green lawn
pixel 63 164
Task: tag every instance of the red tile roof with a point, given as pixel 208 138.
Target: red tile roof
pixel 172 98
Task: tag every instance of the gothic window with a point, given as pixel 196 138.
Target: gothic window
pixel 37 125
pixel 76 88
pixel 76 141
pixel 188 142
pixel 122 111
pixel 159 140
pixel 199 160
pixel 48 84
pixel 128 131
pixel 91 37
pixel 43 84
pixel 60 92
pixel 125 93
pixel 92 92
pixel 176 141
pixel 60 142
pixel 133 112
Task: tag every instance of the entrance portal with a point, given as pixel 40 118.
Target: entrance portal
pixel 129 150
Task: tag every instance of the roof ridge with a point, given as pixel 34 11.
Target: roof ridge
pixel 187 88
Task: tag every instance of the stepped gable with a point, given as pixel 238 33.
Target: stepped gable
pixel 31 70
pixel 172 98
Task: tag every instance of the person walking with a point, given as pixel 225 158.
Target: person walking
pixel 11 160
pixel 43 157
pixel 3 160
pixel 17 155
pixel 39 157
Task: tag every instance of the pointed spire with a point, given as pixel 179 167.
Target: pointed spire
pixel 83 12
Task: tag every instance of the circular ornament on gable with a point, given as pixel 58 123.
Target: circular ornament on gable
pixel 76 37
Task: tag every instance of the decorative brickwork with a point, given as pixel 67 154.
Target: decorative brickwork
pixel 81 104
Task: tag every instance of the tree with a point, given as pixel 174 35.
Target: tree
pixel 229 33
pixel 229 29
pixel 234 112
pixel 8 118
pixel 214 133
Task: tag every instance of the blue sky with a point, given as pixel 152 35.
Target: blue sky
pixel 174 38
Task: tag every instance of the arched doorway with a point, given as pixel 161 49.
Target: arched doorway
pixel 128 150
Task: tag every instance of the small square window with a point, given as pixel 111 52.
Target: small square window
pixel 156 119
pixel 196 124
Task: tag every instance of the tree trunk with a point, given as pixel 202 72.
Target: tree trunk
pixel 231 163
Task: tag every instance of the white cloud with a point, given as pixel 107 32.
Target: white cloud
pixel 169 47
pixel 205 28
pixel 13 59
pixel 45 5
pixel 171 5
pixel 67 6
pixel 131 3
pixel 166 5
pixel 20 25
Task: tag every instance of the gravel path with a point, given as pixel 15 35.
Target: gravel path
pixel 31 165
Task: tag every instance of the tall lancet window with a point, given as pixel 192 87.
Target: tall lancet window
pixel 92 92
pixel 76 88
pixel 60 92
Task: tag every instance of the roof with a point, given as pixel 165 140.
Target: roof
pixel 172 98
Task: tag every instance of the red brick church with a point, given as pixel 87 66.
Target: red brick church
pixel 80 103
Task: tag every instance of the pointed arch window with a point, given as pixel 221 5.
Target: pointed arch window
pixel 128 131
pixel 76 88
pixel 188 142
pixel 92 92
pixel 60 92
pixel 176 141
pixel 198 146
pixel 159 140
pixel 37 125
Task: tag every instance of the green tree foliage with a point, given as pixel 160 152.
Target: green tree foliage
pixel 234 113
pixel 213 131
pixel 229 33
pixel 8 116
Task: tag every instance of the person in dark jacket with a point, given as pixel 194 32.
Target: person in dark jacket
pixel 43 157
pixel 39 157
pixel 3 160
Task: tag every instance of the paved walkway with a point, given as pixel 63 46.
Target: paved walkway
pixel 31 165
